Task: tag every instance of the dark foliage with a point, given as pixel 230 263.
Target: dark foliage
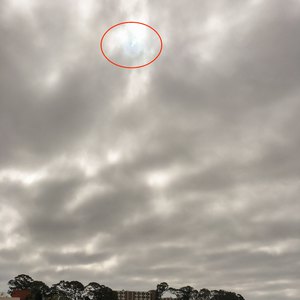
pixel 20 282
pixel 185 293
pixel 75 290
pixel 161 288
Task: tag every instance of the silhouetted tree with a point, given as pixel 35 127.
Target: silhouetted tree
pixel 95 291
pixel 204 294
pixel 224 295
pixel 161 288
pixel 20 282
pixel 184 293
pixel 90 290
pixel 38 290
pixel 68 289
pixel 60 291
pixel 77 289
pixel 74 290
pixel 57 295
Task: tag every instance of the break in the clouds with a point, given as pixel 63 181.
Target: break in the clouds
pixel 186 171
pixel 131 44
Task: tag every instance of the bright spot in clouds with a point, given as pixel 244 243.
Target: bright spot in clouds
pixel 26 178
pixel 158 179
pixel 131 44
pixel 113 157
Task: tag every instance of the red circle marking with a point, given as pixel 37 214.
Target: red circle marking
pixel 131 67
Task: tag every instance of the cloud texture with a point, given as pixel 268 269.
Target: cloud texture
pixel 186 171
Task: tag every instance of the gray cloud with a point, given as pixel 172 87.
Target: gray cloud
pixel 186 171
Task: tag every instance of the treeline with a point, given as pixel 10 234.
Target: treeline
pixel 63 290
pixel 75 290
pixel 189 293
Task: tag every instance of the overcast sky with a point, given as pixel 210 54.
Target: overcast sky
pixel 186 171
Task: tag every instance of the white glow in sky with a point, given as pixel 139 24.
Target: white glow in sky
pixel 131 44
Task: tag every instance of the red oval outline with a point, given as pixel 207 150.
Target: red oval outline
pixel 131 67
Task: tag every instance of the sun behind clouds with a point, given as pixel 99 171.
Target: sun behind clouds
pixel 131 44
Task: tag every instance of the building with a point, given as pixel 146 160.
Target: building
pixel 21 294
pixel 136 295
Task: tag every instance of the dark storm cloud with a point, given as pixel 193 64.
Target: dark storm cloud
pixel 185 172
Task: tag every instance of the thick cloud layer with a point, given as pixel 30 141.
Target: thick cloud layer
pixel 186 171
